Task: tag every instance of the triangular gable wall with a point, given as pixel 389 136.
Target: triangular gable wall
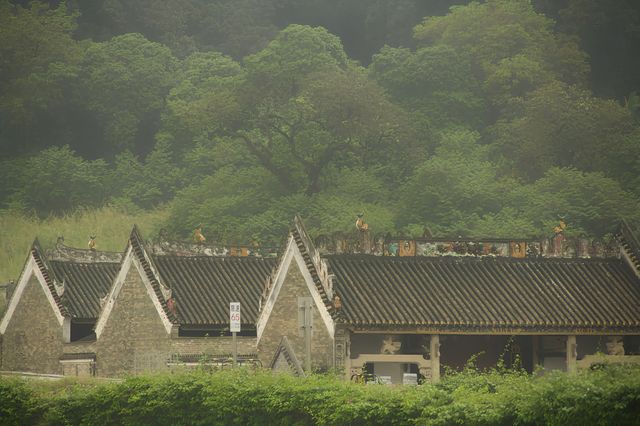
pixel 285 354
pixel 35 265
pixel 292 253
pixel 135 255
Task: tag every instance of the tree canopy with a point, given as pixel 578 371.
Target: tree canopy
pixel 472 118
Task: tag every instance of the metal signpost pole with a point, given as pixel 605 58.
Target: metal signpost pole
pixel 234 327
pixel 235 350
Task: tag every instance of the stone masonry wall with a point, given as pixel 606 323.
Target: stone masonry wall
pixel 3 299
pixel 33 339
pixel 134 339
pixel 284 321
pixel 213 345
pixel 80 347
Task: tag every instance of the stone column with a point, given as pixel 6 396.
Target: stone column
pixel 66 330
pixel 434 351
pixel 572 353
pixel 340 349
pixel 535 352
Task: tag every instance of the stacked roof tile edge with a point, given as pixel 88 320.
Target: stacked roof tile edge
pixel 303 241
pixel 137 245
pixel 630 243
pixel 37 253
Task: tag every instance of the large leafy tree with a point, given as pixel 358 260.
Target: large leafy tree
pixel 203 101
pixel 57 180
pixel 125 81
pixel 453 188
pixel 297 108
pixel 296 122
pixel 39 62
pixel 304 108
pixel 235 27
pixel 513 49
pixel 565 126
pixel 590 202
pixel 608 32
pixel 436 82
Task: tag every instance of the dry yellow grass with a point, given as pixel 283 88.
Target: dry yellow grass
pixel 111 225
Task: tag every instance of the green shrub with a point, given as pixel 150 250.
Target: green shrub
pixel 17 403
pixel 497 397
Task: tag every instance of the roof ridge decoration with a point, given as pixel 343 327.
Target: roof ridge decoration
pixel 181 248
pixel 64 253
pixel 35 264
pixel 457 246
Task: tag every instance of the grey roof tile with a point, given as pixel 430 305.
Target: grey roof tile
pixel 203 286
pixel 84 285
pixel 487 293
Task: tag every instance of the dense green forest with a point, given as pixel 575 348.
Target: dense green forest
pixel 486 118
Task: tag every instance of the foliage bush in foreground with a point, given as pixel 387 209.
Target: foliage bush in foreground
pixel 608 396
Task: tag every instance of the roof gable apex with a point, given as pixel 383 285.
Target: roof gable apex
pixel 135 255
pixel 35 266
pixel 150 271
pixel 272 288
pixel 275 285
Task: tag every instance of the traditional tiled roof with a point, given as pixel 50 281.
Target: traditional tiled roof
pixel 84 285
pixel 203 286
pixel 487 293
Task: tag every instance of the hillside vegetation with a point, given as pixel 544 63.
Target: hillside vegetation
pixel 490 118
pixel 110 225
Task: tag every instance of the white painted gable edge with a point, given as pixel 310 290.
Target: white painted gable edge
pixel 128 260
pixel 293 252
pixel 281 273
pixel 31 268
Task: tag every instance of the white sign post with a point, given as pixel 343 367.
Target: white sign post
pixel 234 327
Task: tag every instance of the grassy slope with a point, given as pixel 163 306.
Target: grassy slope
pixel 112 227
